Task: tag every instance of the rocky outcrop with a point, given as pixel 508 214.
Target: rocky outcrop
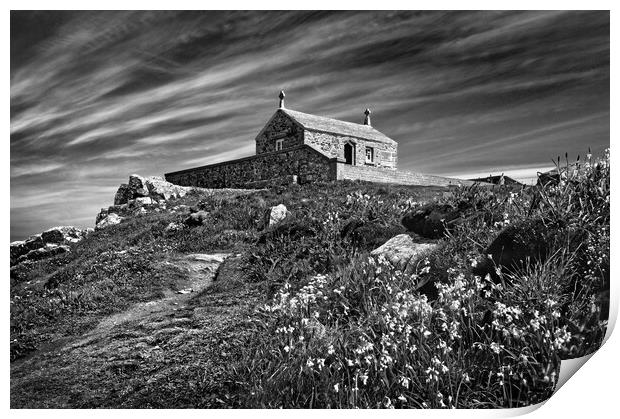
pixel 137 187
pixel 402 252
pixel 50 249
pixel 49 243
pixel 110 220
pixel 123 194
pixel 64 235
pixel 148 190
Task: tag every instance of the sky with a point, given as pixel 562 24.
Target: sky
pixel 97 96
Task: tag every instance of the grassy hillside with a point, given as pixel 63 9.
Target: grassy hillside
pixel 301 316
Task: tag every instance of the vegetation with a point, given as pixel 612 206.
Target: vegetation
pixel 306 318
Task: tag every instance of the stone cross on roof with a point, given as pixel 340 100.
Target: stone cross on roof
pixel 367 118
pixel 281 96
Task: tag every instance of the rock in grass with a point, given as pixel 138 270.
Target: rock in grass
pixel 110 220
pixel 433 220
pixel 277 214
pixel 402 252
pixel 516 247
pixel 196 219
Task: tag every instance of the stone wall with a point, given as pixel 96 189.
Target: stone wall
pixel 333 145
pixel 303 161
pixel 378 175
pixel 279 127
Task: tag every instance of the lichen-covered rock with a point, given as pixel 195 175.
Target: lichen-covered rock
pixel 123 194
pixel 110 220
pixel 196 219
pixel 277 214
pixel 401 251
pixel 159 188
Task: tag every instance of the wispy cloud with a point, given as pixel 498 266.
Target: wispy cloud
pixel 98 95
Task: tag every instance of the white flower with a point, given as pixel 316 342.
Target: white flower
pixel 336 387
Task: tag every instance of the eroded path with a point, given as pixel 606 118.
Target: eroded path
pixel 200 268
pixel 170 352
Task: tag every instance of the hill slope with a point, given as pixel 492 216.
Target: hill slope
pixel 236 313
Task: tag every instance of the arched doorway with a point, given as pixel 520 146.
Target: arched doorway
pixel 349 153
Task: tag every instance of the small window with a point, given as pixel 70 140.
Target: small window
pixel 370 155
pixel 279 144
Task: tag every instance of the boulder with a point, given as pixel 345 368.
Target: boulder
pixel 277 214
pixel 402 252
pixel 433 220
pixel 110 220
pixel 123 194
pixel 516 247
pixel 137 187
pixel 63 235
pixel 196 218
pixel 159 188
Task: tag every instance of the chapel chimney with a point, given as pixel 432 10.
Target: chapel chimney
pixel 367 118
pixel 281 96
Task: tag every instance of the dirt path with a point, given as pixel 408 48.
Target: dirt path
pixel 201 269
pixel 154 354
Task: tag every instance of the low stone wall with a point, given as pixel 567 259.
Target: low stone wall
pixel 303 161
pixel 378 175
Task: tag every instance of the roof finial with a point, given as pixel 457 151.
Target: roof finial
pixel 367 118
pixel 281 96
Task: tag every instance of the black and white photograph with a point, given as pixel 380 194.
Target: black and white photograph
pixel 306 209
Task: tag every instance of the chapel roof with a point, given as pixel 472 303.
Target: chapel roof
pixel 335 126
